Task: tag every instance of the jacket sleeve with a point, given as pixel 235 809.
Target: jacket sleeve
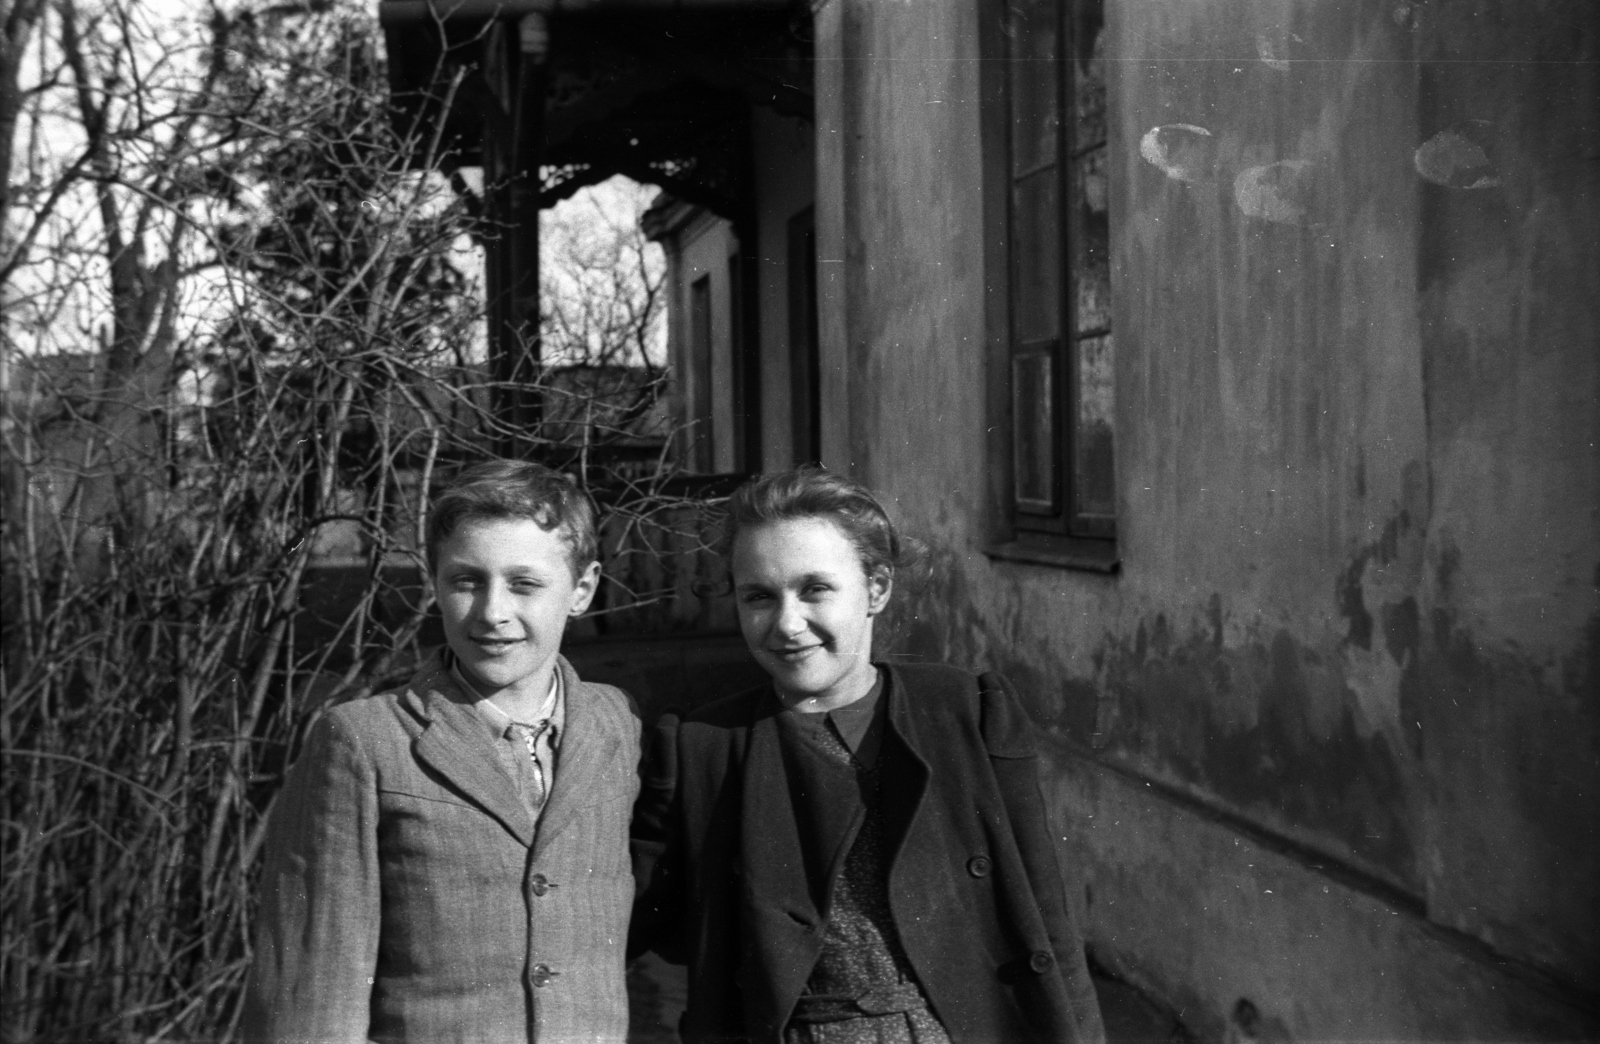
pixel 1008 733
pixel 317 930
pixel 656 844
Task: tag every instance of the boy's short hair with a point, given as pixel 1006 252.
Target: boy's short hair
pixel 515 489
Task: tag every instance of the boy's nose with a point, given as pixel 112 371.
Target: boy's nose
pixel 492 606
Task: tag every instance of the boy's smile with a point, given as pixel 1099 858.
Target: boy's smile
pixel 506 590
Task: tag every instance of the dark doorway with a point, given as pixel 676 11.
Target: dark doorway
pixel 805 366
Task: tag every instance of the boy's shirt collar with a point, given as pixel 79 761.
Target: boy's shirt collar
pixel 553 709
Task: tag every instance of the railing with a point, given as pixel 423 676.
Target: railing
pixel 663 574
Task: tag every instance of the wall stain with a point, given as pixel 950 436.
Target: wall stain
pixel 1268 727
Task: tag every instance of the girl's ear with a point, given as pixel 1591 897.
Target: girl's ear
pixel 880 585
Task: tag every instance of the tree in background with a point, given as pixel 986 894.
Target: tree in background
pixel 603 327
pixel 241 337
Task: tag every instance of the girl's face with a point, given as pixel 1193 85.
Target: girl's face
pixel 806 607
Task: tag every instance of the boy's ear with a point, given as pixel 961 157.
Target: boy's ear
pixel 584 589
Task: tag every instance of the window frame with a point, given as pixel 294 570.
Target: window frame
pixel 1050 532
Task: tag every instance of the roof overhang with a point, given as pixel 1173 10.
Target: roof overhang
pixel 655 89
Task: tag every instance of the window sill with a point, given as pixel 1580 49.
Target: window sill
pixel 1091 556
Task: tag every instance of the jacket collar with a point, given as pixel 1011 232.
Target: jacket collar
pixel 456 744
pixel 798 816
pixel 588 748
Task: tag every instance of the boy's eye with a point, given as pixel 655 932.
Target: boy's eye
pixel 525 586
pixel 752 597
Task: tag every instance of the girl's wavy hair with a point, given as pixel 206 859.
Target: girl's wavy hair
pixel 815 492
pixel 516 489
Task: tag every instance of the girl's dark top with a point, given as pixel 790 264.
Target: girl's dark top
pixel 862 989
pixel 781 871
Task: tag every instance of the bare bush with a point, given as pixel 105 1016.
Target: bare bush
pixel 240 347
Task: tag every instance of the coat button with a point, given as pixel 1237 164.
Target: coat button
pixel 979 866
pixel 542 974
pixel 1041 960
pixel 540 884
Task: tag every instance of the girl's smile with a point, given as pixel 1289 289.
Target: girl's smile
pixel 806 608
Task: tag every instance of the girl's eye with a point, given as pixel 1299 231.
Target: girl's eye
pixel 752 597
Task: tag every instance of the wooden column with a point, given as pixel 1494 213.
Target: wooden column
pixel 513 147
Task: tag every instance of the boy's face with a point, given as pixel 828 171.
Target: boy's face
pixel 506 589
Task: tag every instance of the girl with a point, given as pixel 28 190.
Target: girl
pixel 855 852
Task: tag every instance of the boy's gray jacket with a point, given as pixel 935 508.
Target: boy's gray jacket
pixel 408 895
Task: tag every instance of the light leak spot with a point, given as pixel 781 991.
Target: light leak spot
pixel 1274 50
pixel 1453 160
pixel 1181 151
pixel 1274 191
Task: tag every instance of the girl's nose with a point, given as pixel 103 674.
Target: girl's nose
pixel 791 619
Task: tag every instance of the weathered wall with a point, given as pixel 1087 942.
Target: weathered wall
pixel 701 249
pixel 1356 624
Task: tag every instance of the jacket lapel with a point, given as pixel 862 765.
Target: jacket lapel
pixel 583 762
pixel 827 806
pixel 455 744
pixel 904 771
pixel 782 934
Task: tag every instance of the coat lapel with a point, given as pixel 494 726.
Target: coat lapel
pixel 782 934
pixel 827 806
pixel 905 771
pixel 774 858
pixel 455 744
pixel 583 763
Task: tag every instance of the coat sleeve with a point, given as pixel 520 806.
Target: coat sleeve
pixel 656 844
pixel 317 930
pixel 1008 733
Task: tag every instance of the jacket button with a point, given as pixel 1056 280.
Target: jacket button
pixel 979 866
pixel 542 974
pixel 1041 960
pixel 540 884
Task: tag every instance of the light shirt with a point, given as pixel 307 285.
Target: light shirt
pixel 531 765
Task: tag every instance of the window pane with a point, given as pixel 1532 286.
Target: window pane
pixel 1091 254
pixel 1093 467
pixel 1089 79
pixel 1035 84
pixel 1036 249
pixel 1033 431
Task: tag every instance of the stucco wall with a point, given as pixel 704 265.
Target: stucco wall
pixel 1356 623
pixel 701 249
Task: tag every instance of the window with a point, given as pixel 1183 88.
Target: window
pixel 1059 341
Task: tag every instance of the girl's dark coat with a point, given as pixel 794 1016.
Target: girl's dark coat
pixel 734 864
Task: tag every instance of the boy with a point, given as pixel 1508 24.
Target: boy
pixel 450 862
